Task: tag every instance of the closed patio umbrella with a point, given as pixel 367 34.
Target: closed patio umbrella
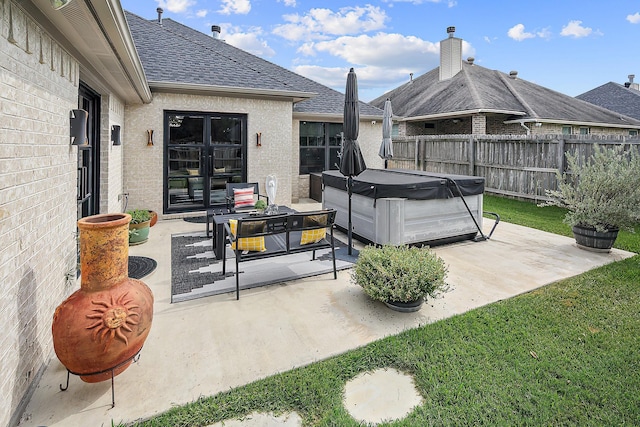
pixel 351 161
pixel 386 148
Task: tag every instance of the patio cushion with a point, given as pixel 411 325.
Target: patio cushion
pixel 247 243
pixel 313 236
pixel 243 198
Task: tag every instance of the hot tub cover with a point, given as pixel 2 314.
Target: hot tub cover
pixel 409 184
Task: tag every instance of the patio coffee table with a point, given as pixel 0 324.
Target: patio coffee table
pixel 219 221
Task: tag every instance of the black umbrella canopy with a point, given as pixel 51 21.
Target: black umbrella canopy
pixel 386 148
pixel 351 163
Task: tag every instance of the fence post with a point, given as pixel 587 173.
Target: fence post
pixel 561 156
pixel 416 158
pixel 472 156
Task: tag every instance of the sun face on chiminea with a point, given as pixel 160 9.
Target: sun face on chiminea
pixel 112 319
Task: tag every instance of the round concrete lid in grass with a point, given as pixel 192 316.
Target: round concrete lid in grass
pixel 382 395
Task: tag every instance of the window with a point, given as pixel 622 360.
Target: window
pixel 319 146
pixel 566 130
pixel 633 133
pixel 585 131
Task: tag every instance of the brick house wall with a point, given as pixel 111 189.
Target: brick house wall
pixel 38 88
pixel 143 166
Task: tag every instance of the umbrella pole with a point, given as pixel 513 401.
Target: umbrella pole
pixel 349 184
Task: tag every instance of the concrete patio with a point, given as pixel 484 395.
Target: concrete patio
pixel 206 346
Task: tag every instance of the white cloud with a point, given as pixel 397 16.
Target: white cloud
pixel 379 50
pixel 248 40
pixel 634 19
pixel 518 33
pixel 319 23
pixel 545 33
pixel 238 7
pixel 575 29
pixel 201 13
pixel 450 3
pixel 290 3
pixel 175 6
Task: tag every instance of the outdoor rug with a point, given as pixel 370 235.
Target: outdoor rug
pixel 195 272
pixel 140 266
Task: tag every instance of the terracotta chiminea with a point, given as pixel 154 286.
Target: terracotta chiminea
pixel 103 325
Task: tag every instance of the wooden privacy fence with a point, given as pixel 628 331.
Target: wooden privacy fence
pixel 513 165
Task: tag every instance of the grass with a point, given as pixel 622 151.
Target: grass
pixel 565 354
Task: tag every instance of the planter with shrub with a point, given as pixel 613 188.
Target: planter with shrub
pixel 139 226
pixel 400 276
pixel 601 194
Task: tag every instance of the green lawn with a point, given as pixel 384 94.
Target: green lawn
pixel 565 354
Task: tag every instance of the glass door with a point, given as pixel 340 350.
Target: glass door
pixel 202 153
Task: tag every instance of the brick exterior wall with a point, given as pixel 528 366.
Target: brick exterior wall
pixel 143 166
pixel 38 88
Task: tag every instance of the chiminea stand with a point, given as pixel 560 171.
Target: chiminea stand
pixel 133 359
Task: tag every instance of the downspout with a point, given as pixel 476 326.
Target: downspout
pixel 528 130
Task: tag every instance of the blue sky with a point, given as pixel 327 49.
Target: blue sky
pixel 570 46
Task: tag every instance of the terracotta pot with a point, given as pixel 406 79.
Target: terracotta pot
pixel 154 218
pixel 104 324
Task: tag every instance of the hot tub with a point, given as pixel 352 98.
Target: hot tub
pixel 398 206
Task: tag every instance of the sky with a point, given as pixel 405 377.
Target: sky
pixel 570 46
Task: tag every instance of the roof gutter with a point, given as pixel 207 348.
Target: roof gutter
pixel 453 114
pixel 574 123
pixel 330 117
pixel 234 91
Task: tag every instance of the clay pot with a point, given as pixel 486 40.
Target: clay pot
pixel 104 324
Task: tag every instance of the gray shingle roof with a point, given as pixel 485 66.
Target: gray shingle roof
pixel 175 53
pixel 477 88
pixel 615 97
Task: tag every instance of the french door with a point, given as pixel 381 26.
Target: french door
pixel 88 182
pixel 203 151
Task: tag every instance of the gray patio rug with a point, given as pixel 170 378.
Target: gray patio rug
pixel 195 273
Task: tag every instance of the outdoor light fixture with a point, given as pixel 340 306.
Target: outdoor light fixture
pixel 59 4
pixel 115 134
pixel 149 137
pixel 78 125
pixel 259 139
pixel 538 124
pixel 455 121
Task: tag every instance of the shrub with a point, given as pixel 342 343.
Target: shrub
pixel 261 204
pixel 139 216
pixel 602 192
pixel 399 273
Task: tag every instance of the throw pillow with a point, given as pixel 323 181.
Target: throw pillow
pixel 243 198
pixel 193 171
pixel 248 243
pixel 314 236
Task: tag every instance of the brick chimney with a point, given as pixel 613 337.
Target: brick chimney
pixel 450 55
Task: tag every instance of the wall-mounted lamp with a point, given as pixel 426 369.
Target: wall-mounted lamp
pixel 456 121
pixel 538 124
pixel 59 4
pixel 78 125
pixel 259 139
pixel 149 137
pixel 115 135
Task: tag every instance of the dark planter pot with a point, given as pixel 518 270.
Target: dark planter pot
pixel 405 307
pixel 590 239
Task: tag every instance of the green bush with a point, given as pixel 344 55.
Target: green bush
pixel 602 192
pixel 139 216
pixel 399 273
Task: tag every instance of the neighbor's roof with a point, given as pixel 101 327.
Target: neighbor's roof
pixel 476 89
pixel 615 97
pixel 178 58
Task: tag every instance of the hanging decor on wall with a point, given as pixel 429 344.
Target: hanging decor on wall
pixel 78 125
pixel 115 135
pixel 149 137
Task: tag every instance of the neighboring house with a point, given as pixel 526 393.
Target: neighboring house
pixel 461 97
pixel 624 99
pixel 83 56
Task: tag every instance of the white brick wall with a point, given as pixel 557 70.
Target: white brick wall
pixel 38 88
pixel 143 165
